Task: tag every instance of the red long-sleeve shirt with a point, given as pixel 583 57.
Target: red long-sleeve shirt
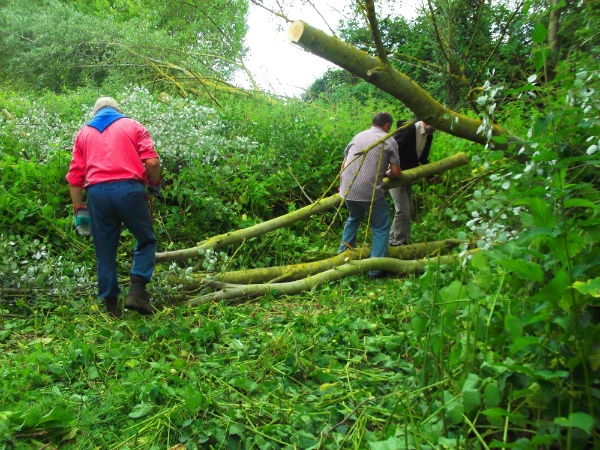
pixel 115 154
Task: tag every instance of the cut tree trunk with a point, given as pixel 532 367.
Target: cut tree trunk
pixel 397 84
pixel 293 272
pixel 397 267
pixel 406 177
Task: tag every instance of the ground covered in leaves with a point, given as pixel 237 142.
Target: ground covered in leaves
pixel 326 369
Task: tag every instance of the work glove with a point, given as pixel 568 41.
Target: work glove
pixel 154 189
pixel 435 180
pixel 82 221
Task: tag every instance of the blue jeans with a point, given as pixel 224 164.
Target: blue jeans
pixel 380 224
pixel 112 204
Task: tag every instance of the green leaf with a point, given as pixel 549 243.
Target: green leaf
pixel 580 202
pixel 472 382
pixel 236 344
pixel 553 291
pixel 93 373
pixel 140 410
pixel 514 326
pixel 542 214
pixel 470 393
pixel 193 399
pixel 57 417
pixel 452 292
pixel 389 444
pixel 237 429
pixel 540 57
pixel 354 340
pixel 455 412
pixel 4 334
pixel 522 343
pixel 491 395
pixel 579 420
pixel 479 261
pixel 500 139
pixel 179 363
pixel 244 383
pixel 447 443
pixel 524 269
pixel 539 33
pixel 499 412
pixel 549 375
pixel 419 325
pixel 591 287
pixel 471 399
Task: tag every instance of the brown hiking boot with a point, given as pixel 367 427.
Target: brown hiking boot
pixel 113 307
pixel 138 299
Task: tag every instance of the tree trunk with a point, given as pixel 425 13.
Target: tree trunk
pixel 393 82
pixel 406 177
pixel 553 26
pixel 397 267
pixel 279 274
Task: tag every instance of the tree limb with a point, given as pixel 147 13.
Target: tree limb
pixel 406 177
pixel 298 271
pixel 395 83
pixel 284 17
pixel 394 266
pixel 372 18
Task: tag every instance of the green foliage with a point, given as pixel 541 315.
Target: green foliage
pixel 193 23
pixel 49 44
pixel 446 49
pixel 500 351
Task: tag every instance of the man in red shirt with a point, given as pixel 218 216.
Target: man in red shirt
pixel 113 158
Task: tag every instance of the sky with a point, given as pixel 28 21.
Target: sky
pixel 279 66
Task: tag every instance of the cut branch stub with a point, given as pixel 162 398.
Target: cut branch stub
pixel 391 81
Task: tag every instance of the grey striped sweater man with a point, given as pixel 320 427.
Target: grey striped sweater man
pixel 362 185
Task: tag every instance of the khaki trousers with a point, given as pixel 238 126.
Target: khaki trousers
pixel 403 204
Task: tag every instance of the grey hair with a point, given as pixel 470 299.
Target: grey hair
pixel 105 102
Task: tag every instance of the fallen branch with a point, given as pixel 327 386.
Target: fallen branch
pixel 394 266
pixel 294 272
pixel 406 177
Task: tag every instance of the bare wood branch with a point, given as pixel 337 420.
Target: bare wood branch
pixel 498 42
pixel 438 36
pixel 345 419
pixel 284 17
pixel 20 36
pixel 226 37
pixel 299 185
pixel 321 15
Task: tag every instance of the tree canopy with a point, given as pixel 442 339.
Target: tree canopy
pixel 50 44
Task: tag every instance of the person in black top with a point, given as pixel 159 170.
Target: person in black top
pixel 414 144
